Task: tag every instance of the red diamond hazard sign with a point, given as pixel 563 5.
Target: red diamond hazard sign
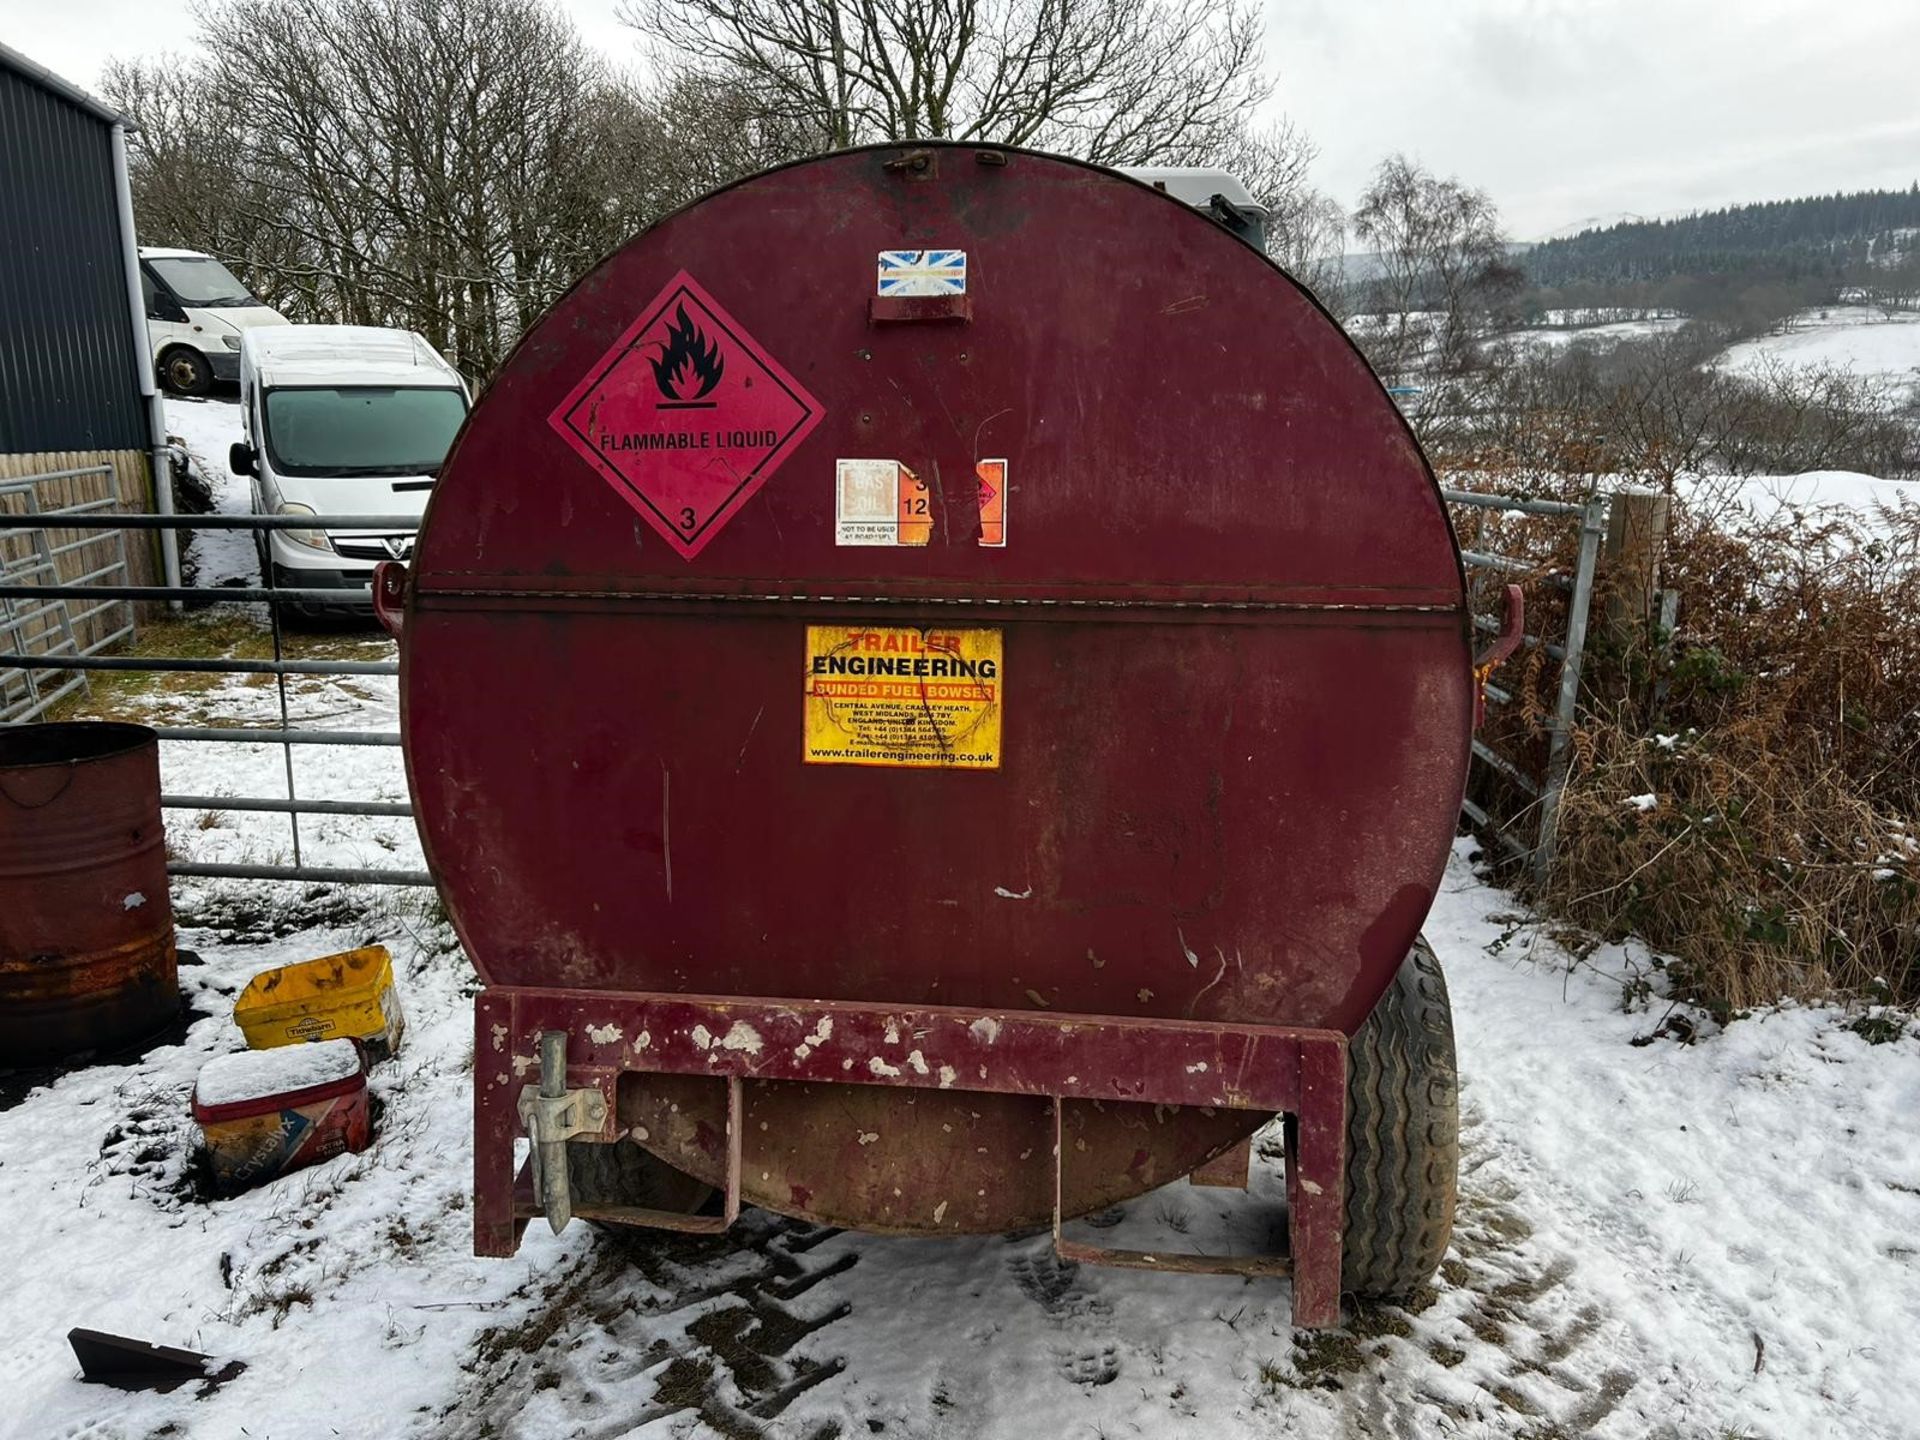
pixel 686 416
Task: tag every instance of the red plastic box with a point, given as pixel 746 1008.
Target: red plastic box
pixel 266 1112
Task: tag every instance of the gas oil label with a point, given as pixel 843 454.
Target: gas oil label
pixel 926 699
pixel 882 502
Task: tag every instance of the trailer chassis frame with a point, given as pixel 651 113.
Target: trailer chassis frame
pixel 577 1044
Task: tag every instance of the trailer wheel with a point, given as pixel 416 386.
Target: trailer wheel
pixel 1403 1135
pixel 624 1174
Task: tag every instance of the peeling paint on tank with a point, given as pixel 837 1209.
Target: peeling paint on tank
pixel 741 1036
pixel 523 1063
pixel 643 1040
pixel 605 1034
pixel 947 1076
pixel 821 1034
pixel 986 1030
pixel 867 1137
pixel 893 1033
pixel 939 1212
pixel 702 1037
pixel 878 1066
pixel 499 1037
pixel 1199 1067
pixel 918 1063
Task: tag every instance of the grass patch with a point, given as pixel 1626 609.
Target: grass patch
pixel 1322 1357
pixel 218 633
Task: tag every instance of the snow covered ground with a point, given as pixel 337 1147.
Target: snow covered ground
pixel 1656 1239
pixel 206 428
pixel 1557 337
pixel 1715 1239
pixel 1859 338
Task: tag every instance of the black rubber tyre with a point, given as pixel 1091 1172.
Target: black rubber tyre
pixel 292 614
pixel 624 1174
pixel 1403 1135
pixel 186 371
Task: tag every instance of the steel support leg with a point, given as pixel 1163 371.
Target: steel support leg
pixel 1316 1187
pixel 495 1122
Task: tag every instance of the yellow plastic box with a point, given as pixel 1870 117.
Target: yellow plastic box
pixel 349 996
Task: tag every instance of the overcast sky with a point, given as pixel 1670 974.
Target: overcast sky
pixel 1565 110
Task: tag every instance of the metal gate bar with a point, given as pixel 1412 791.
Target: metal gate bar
pixel 1544 791
pixel 90 591
pixel 22 696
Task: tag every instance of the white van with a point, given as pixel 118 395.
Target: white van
pixel 341 420
pixel 1211 190
pixel 196 313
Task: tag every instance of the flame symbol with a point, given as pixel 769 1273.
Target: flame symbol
pixel 689 366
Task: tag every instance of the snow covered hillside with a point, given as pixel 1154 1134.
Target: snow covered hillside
pixel 1857 338
pixel 1659 1235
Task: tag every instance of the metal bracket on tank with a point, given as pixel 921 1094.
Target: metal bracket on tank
pixel 390 596
pixel 1065 1059
pixel 552 1115
pixel 1315 1130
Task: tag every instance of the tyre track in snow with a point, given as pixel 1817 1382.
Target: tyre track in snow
pixel 647 1328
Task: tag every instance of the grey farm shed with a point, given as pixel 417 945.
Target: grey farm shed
pixel 81 429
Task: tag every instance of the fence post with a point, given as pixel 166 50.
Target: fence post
pixel 1593 524
pixel 1636 531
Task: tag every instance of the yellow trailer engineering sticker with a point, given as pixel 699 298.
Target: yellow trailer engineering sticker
pixel 921 698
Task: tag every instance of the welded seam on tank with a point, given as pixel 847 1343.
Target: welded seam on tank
pixel 989 602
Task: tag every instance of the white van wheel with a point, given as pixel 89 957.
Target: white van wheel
pixel 186 371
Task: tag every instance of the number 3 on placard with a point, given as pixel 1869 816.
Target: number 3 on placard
pixel 687 521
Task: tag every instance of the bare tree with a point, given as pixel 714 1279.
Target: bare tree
pixel 1304 227
pixel 452 165
pixel 445 165
pixel 190 185
pixel 1114 81
pixel 1438 251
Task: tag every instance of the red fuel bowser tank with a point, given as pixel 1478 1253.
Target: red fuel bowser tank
pixel 937 690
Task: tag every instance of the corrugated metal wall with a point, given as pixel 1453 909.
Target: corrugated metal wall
pixel 67 370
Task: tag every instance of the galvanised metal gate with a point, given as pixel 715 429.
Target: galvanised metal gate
pixel 36 551
pixel 285 735
pixel 1527 835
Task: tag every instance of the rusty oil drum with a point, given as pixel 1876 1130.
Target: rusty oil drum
pixel 86 927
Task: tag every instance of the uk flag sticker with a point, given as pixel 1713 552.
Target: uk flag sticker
pixel 923 272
